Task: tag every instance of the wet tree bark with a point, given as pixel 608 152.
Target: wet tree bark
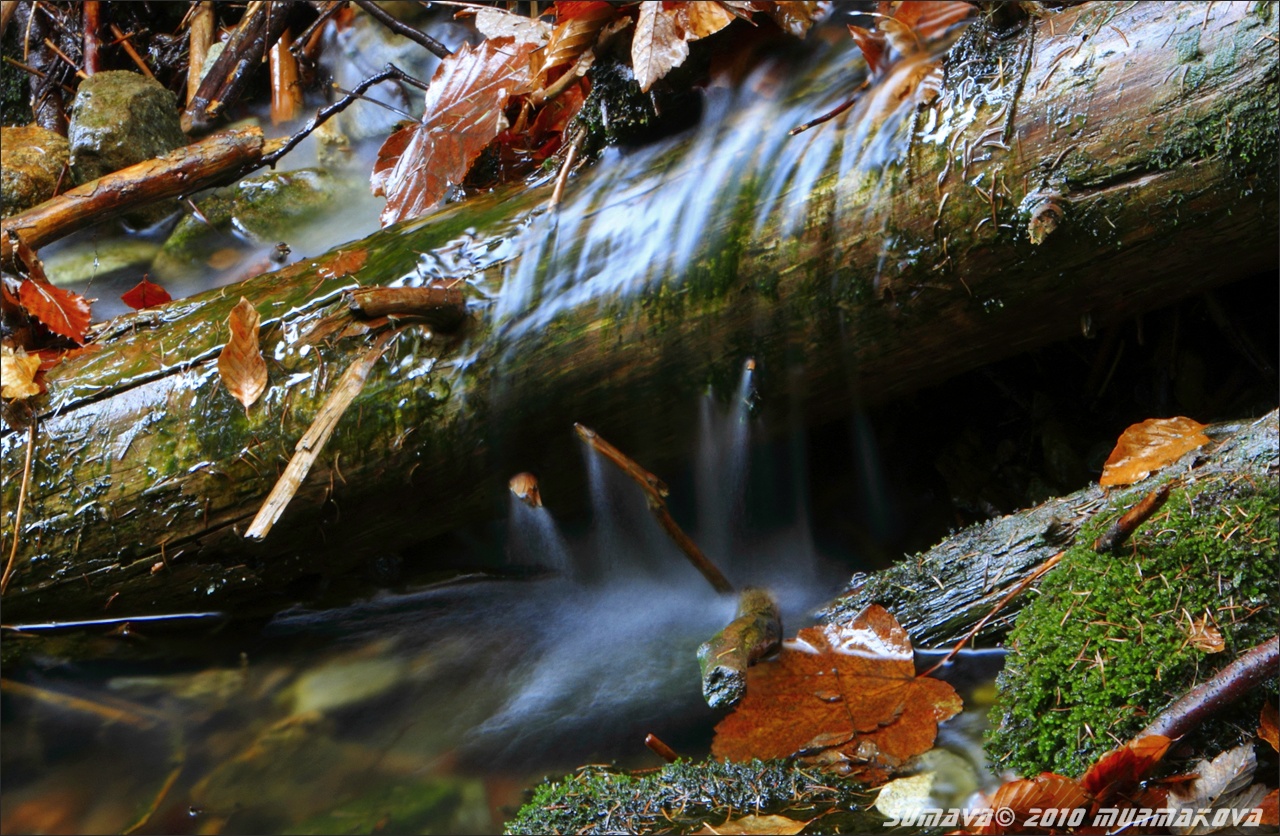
pixel 1097 162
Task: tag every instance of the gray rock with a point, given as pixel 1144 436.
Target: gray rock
pixel 120 118
pixel 31 161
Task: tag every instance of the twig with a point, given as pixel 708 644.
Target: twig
pixel 309 447
pixel 159 799
pixel 1223 688
pixel 286 95
pixel 22 501
pixel 199 39
pixel 1122 529
pixel 123 40
pixel 435 47
pixel 1023 584
pixel 562 176
pixel 92 10
pixel 660 749
pixel 755 632
pixel 134 715
pixel 72 64
pixel 328 12
pixel 325 113
pixel 259 29
pixel 831 114
pixel 655 489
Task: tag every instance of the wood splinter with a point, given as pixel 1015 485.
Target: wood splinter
pixel 660 749
pixel 442 306
pixel 754 633
pixel 655 490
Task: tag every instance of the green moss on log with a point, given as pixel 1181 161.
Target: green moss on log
pixel 1105 645
pixel 685 796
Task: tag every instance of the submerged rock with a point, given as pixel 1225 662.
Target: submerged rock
pixel 31 160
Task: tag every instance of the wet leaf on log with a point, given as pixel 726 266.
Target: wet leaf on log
pixel 145 294
pixel 578 26
pixel 1121 769
pixel 844 696
pixel 240 364
pixel 500 23
pixel 464 112
pixel 661 40
pixel 17 373
pixel 342 263
pixel 1149 446
pixel 63 312
pixel 1267 724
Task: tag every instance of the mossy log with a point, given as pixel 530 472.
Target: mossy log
pixel 755 632
pixel 1135 143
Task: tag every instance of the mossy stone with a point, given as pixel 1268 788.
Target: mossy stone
pixel 32 160
pixel 120 118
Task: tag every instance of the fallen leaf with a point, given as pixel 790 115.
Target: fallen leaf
pixel 17 373
pixel 1026 795
pixel 63 312
pixel 1121 769
pixel 500 23
pixel 1267 725
pixel 1225 783
pixel 1270 809
pixel 240 364
pixel 844 696
pixel 145 294
pixel 1204 634
pixel 755 826
pixel 342 263
pixel 576 32
pixel 658 45
pixel 1149 446
pixel 795 18
pixel 464 112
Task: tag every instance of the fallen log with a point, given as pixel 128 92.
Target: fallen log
pixel 1072 173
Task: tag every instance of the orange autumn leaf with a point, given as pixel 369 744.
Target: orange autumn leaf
pixel 1121 769
pixel 464 112
pixel 17 373
pixel 1204 635
pixel 342 263
pixel 1149 446
pixel 843 696
pixel 576 31
pixel 240 364
pixel 1267 723
pixel 145 294
pixel 63 312
pixel 755 826
pixel 1046 790
pixel 1270 807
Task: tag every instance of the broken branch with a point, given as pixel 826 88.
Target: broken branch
pixel 655 489
pixel 441 306
pixel 1225 687
pixel 755 632
pixel 1122 529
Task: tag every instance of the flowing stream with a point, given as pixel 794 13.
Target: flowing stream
pixel 440 701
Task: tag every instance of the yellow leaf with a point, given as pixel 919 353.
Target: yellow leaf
pixel 17 373
pixel 756 826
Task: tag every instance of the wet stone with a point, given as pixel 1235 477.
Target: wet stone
pixel 120 118
pixel 31 162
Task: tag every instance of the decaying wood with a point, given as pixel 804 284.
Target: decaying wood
pixel 212 161
pixel 754 633
pixel 441 306
pixel 655 492
pixel 1156 163
pixel 1222 689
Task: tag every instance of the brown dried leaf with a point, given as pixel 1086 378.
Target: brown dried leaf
pixel 240 364
pixel 1205 635
pixel 1121 769
pixel 500 23
pixel 796 18
pixel 576 32
pixel 145 294
pixel 1149 446
pixel 1267 723
pixel 1270 807
pixel 1225 783
pixel 756 826
pixel 844 696
pixel 1046 790
pixel 342 263
pixel 63 312
pixel 658 45
pixel 464 112
pixel 17 373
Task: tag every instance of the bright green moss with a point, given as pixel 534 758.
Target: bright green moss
pixel 1104 647
pixel 682 797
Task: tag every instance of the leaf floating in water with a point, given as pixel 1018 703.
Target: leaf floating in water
pixel 145 294
pixel 756 826
pixel 1149 446
pixel 240 364
pixel 417 165
pixel 842 696
pixel 17 373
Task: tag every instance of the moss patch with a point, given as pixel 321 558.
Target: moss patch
pixel 684 796
pixel 1104 647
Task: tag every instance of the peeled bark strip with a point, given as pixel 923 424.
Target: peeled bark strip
pixel 842 260
pixel 214 160
pixel 754 633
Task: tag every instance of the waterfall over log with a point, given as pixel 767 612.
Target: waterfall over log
pixel 1101 161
